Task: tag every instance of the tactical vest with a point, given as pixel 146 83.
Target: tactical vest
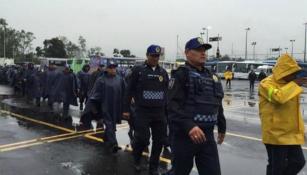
pixel 151 88
pixel 204 93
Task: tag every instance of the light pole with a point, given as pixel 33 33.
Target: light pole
pixel 177 54
pixel 201 34
pixel 305 42
pixel 207 31
pixel 286 48
pixel 292 41
pixel 254 53
pixel 247 29
pixel 4 40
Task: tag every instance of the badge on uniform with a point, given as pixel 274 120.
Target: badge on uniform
pixel 171 83
pixel 160 78
pixel 215 78
pixel 158 50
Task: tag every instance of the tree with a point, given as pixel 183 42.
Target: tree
pixel 72 50
pixel 18 44
pixel 12 43
pixel 82 43
pixel 125 53
pixel 26 39
pixel 3 23
pixel 95 50
pixel 115 51
pixel 54 48
pixel 39 51
pixel 225 58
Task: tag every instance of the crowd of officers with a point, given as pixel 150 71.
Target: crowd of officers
pixel 180 111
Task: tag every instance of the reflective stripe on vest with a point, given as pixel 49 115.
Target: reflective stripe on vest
pixel 270 93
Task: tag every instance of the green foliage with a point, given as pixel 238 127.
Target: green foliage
pixel 54 48
pixel 126 53
pixel 17 43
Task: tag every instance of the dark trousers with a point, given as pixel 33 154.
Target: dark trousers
pixel 110 130
pixel 50 101
pixel 251 85
pixel 205 155
pixel 284 159
pixel 83 98
pixel 131 128
pixel 65 109
pixel 228 82
pixel 144 123
pixel 23 88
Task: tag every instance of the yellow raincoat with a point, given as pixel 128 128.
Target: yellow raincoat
pixel 279 106
pixel 228 75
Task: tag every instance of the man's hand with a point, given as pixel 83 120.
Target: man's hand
pixel 197 135
pixel 220 138
pixel 126 115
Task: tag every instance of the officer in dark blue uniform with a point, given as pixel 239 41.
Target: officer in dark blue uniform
pixel 195 107
pixel 148 86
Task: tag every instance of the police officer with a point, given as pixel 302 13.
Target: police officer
pixel 84 80
pixel 195 107
pixel 108 92
pixel 147 86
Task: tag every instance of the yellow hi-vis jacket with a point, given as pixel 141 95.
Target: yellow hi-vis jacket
pixel 228 75
pixel 279 106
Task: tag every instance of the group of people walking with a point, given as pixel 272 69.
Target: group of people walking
pixel 180 110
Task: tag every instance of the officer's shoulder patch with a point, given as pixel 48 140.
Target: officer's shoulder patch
pixel 160 78
pixel 215 78
pixel 171 83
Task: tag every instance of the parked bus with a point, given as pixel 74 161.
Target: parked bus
pixel 76 64
pixel 58 62
pixel 243 68
pixel 267 69
pixel 222 66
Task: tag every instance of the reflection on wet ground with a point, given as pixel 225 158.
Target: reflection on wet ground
pixel 36 141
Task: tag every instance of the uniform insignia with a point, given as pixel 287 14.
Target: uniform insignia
pixel 160 78
pixel 215 78
pixel 171 83
pixel 200 40
pixel 158 50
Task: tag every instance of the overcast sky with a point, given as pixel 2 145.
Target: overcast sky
pixel 135 24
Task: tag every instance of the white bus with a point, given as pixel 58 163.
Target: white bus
pixel 267 69
pixel 243 68
pixel 222 66
pixel 59 62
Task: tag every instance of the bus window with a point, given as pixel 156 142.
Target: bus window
pixel 69 62
pixel 79 61
pixel 241 68
pixel 58 62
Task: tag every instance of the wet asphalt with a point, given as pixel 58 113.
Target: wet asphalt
pixel 35 141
